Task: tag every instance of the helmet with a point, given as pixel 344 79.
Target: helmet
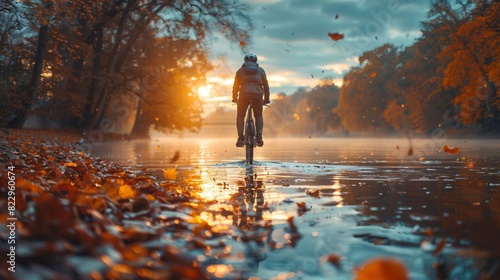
pixel 251 57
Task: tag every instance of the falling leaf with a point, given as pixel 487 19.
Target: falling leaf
pixel 336 36
pixel 381 268
pixel 439 247
pixel 242 44
pixel 373 74
pixel 452 150
pixel 296 116
pixel 175 157
pixel 170 173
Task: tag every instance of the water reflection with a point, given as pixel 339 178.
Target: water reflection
pixel 248 205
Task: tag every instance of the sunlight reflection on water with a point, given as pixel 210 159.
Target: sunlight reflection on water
pixel 357 198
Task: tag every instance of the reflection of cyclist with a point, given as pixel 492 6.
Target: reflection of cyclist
pixel 248 205
pixel 249 202
pixel 251 84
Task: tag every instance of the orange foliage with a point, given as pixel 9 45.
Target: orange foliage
pixel 471 62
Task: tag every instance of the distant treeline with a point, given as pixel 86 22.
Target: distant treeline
pixel 446 82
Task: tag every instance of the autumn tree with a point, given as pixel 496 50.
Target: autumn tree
pixel 421 103
pixel 14 68
pixel 471 58
pixel 321 102
pixel 364 94
pixel 167 95
pixel 280 116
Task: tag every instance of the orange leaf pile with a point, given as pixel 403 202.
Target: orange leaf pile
pixel 72 208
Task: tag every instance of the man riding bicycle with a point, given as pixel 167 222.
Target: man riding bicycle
pixel 251 84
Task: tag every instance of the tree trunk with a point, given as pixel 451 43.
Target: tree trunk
pixel 35 78
pixel 90 106
pixel 98 110
pixel 140 130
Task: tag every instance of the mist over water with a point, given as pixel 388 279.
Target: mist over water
pixel 364 198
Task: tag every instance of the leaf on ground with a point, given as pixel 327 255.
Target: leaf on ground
pixel 126 191
pixel 170 173
pixel 333 259
pixel 313 193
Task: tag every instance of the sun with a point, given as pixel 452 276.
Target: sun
pixel 204 91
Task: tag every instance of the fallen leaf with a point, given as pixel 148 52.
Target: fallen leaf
pixel 381 269
pixel 170 173
pixel 313 193
pixel 452 150
pixel 334 259
pixel 125 191
pixel 293 227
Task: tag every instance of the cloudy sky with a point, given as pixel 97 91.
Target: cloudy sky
pixel 290 37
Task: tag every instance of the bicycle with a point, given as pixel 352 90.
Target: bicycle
pixel 249 135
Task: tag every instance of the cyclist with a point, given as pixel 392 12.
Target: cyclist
pixel 252 85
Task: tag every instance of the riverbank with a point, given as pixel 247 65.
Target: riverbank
pixel 74 216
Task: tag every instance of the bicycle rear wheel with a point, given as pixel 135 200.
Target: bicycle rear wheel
pixel 249 142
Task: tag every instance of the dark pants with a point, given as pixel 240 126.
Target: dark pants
pixel 257 104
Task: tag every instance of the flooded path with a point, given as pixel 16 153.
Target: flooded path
pixel 356 199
